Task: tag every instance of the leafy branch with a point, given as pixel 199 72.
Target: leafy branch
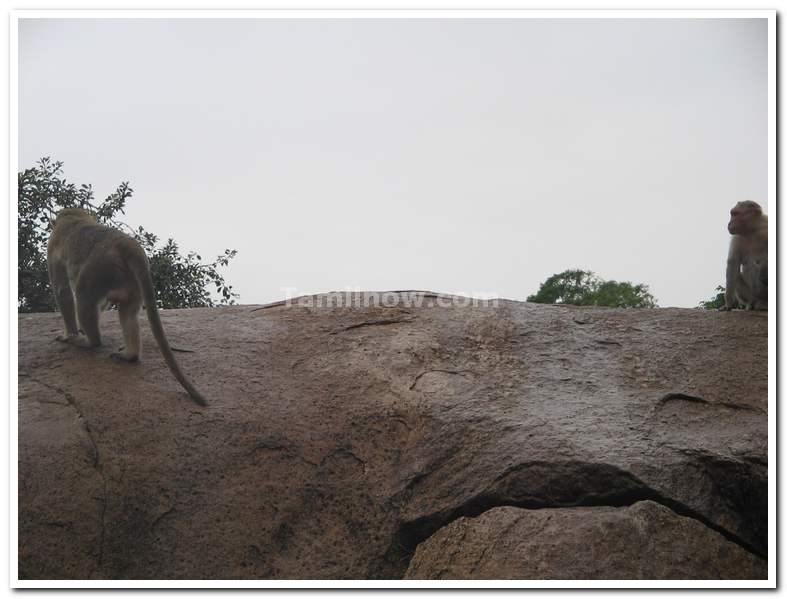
pixel 181 281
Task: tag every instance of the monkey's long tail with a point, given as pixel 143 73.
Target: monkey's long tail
pixel 139 266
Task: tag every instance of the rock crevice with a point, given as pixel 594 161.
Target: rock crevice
pixel 555 485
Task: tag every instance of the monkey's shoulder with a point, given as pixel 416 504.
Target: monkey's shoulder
pixel 752 245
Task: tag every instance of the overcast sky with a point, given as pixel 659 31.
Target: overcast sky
pixel 452 155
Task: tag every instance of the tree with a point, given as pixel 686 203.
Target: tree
pixel 715 302
pixel 180 281
pixel 624 295
pixel 584 288
pixel 568 287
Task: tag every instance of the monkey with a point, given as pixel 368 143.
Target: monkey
pixel 92 266
pixel 747 261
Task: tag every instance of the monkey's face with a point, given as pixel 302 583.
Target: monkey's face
pixel 743 217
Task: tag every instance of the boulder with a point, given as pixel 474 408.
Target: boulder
pixel 645 541
pixel 342 434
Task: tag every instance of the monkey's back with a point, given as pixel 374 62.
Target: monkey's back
pixel 97 256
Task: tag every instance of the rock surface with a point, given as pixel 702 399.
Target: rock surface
pixel 646 541
pixel 339 438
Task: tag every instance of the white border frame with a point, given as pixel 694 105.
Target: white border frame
pixel 14 18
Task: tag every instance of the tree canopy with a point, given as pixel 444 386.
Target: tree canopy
pixel 181 281
pixel 585 288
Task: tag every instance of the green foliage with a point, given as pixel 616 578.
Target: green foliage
pixel 584 288
pixel 180 281
pixel 624 295
pixel 568 287
pixel 716 302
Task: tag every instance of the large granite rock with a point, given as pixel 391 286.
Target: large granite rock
pixel 646 541
pixel 338 439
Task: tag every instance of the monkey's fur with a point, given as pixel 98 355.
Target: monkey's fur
pixel 747 261
pixel 92 266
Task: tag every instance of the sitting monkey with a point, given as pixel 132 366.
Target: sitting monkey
pixel 747 262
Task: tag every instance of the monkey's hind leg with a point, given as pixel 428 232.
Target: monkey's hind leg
pixel 65 301
pixel 743 292
pixel 128 313
pixel 760 287
pixel 87 313
pixel 64 298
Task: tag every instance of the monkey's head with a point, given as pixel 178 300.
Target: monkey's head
pixel 744 217
pixel 73 214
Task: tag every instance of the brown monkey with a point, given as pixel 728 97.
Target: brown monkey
pixel 747 261
pixel 97 266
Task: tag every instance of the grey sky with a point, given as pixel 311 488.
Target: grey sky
pixel 452 155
